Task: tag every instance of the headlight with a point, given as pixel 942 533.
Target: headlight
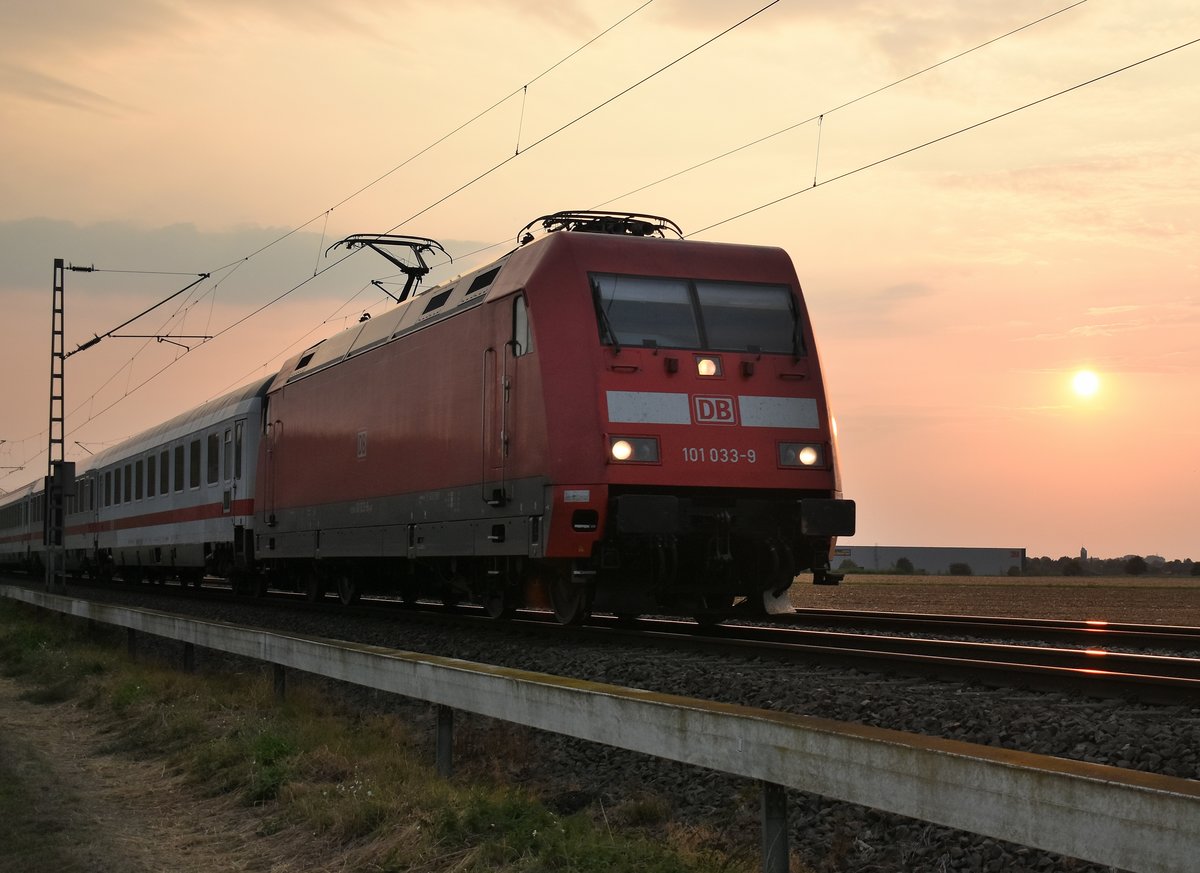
pixel 708 365
pixel 801 455
pixel 633 450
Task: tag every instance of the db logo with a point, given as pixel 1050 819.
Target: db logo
pixel 714 410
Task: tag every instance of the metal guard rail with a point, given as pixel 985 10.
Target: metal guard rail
pixel 1123 818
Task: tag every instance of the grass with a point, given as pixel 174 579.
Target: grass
pixel 31 835
pixel 364 784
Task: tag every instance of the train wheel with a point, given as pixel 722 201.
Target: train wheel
pixel 712 609
pixel 499 604
pixel 570 599
pixel 314 585
pixel 347 588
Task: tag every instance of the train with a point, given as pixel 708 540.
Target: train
pixel 608 418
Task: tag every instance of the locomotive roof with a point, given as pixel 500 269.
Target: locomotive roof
pixel 506 275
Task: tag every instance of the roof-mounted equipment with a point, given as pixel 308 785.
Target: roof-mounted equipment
pixel 590 221
pixel 418 245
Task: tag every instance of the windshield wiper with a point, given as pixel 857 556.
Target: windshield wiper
pixel 602 317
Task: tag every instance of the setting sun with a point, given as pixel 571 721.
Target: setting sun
pixel 1086 383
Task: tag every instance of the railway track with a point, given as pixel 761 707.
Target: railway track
pixel 1093 632
pixel 1091 670
pixel 1088 658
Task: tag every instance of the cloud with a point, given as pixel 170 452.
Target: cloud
pixel 1158 315
pixel 878 311
pixel 31 85
pixel 260 261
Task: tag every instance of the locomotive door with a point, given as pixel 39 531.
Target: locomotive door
pixel 501 367
pixel 274 442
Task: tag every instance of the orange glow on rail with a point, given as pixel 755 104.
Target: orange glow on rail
pixel 1095 622
pixel 1095 651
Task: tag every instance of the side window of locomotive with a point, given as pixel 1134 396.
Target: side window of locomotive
pixel 227 461
pixel 522 339
pixel 108 488
pixel 179 468
pixel 637 311
pixel 164 472
pixel 151 474
pixel 436 301
pixel 739 317
pixel 128 491
pixel 137 482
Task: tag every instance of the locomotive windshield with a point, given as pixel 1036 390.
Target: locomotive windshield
pixel 695 314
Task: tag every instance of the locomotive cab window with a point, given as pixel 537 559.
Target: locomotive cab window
pixel 637 311
pixel 522 340
pixel 696 314
pixel 740 317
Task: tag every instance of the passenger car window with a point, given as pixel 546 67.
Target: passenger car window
pixel 194 464
pixel 213 458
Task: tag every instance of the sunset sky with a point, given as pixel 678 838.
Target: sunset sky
pixel 956 290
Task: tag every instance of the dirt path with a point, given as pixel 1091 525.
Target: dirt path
pixel 80 808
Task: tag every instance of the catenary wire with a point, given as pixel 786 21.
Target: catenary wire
pixel 840 106
pixel 947 136
pixel 234 265
pixel 733 217
pixel 508 159
pixel 444 137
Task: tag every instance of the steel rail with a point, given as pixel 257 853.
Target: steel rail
pixel 1091 671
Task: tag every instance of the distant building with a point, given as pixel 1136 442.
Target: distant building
pixel 932 559
pixel 1082 554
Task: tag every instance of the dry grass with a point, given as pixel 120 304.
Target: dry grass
pixel 1141 599
pixel 187 773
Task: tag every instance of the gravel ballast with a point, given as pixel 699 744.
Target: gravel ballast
pixel 826 835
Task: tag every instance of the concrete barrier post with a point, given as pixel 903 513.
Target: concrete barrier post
pixel 445 741
pixel 774 828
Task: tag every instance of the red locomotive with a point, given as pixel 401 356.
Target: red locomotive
pixel 607 416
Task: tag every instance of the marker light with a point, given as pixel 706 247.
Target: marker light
pixel 634 450
pixel 708 366
pixel 801 455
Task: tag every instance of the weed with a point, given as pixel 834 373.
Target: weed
pixel 352 779
pixel 643 811
pixel 127 694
